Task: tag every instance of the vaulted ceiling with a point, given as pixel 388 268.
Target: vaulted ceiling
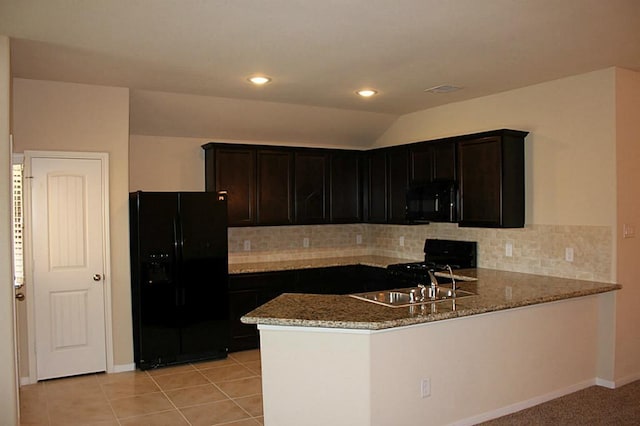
pixel 182 58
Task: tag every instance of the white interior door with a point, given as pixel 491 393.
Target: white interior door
pixel 67 217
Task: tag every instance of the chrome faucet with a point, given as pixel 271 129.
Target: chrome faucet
pixel 431 292
pixel 453 280
pixel 424 294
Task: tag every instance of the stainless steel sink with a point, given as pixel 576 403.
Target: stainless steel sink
pixel 386 297
pixel 398 298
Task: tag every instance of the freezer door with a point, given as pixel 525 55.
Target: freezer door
pixel 155 292
pixel 205 304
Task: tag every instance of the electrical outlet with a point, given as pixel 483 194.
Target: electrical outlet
pixel 247 245
pixel 401 241
pixel 568 254
pixel 425 387
pixel 508 292
pixel 508 249
pixel 305 242
pixel 358 239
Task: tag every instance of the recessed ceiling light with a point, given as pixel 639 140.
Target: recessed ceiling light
pixel 443 88
pixel 259 80
pixel 367 93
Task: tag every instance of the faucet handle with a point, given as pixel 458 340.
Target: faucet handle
pixel 432 277
pixel 412 295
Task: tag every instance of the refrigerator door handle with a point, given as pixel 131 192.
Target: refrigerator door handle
pixel 181 296
pixel 176 250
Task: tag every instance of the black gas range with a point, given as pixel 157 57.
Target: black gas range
pixel 437 254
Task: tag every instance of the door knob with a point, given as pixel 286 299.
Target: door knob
pixel 20 296
pixel 97 277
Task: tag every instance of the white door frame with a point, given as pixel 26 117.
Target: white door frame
pixel 28 251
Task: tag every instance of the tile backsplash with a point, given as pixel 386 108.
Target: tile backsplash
pixel 538 249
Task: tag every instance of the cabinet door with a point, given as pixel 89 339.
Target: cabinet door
pixel 480 180
pixel 421 163
pixel 398 182
pixel 432 161
pixel 377 186
pixel 243 336
pixel 444 161
pixel 311 185
pixel 274 204
pixel 234 172
pixel 345 195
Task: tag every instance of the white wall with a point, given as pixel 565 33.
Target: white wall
pixel 8 384
pixel 77 117
pixel 627 351
pixel 570 151
pixel 300 367
pixel 480 367
pixel 158 163
pixel 165 163
pixel 186 115
pixel 582 159
pixel 569 166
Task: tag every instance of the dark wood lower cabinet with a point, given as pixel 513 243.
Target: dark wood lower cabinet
pixel 243 336
pixel 248 291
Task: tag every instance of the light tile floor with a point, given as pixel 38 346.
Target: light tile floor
pixel 223 392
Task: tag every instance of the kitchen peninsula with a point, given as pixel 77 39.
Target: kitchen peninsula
pixel 523 339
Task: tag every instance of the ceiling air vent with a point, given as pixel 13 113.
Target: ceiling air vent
pixel 443 88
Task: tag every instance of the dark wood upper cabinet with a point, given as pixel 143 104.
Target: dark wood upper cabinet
pixel 311 187
pixel 233 169
pixel 429 161
pixel 345 187
pixel 491 180
pixel 444 161
pixel 421 163
pixel 376 172
pixel 269 185
pixel 386 182
pixel 274 195
pixel 398 183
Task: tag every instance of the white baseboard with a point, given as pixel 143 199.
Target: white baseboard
pixel 605 383
pixel 626 380
pixel 116 369
pixel 123 367
pixel 518 406
pixel 25 381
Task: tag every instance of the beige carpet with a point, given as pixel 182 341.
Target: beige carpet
pixel 595 405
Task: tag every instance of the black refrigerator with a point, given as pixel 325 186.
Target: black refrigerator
pixel 179 277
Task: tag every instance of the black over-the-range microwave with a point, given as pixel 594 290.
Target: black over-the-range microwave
pixel 432 202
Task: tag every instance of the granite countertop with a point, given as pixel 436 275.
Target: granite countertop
pixel 496 290
pixel 284 265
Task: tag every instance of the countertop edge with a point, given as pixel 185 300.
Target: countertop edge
pixel 377 261
pixel 380 325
